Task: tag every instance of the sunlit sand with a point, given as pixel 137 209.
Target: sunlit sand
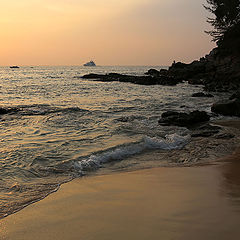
pixel 163 203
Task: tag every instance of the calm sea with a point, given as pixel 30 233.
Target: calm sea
pixel 62 127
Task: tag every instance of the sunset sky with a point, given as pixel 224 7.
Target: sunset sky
pixel 111 32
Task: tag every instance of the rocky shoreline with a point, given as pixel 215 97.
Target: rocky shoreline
pixel 217 72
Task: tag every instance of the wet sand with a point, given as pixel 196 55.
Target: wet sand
pixel 201 202
pixel 163 203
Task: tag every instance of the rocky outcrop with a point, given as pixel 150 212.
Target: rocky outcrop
pixel 217 71
pixel 229 108
pixel 142 80
pixel 193 72
pixel 183 119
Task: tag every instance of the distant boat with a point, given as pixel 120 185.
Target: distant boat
pixel 90 64
pixel 14 67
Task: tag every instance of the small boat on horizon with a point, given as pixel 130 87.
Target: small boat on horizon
pixel 90 64
pixel 14 67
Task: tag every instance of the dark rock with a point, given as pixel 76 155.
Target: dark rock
pixel 7 110
pixel 142 80
pixel 193 72
pixel 183 119
pixel 222 71
pixel 93 76
pixel 14 67
pixel 3 111
pixel 229 108
pixel 163 72
pixel 236 95
pixel 153 72
pixel 196 81
pixel 178 65
pixel 219 71
pixel 201 94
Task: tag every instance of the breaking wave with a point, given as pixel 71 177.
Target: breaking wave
pixel 95 161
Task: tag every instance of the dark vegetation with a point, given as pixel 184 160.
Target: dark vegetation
pixel 220 69
pixel 226 24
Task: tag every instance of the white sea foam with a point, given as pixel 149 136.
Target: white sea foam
pixel 173 141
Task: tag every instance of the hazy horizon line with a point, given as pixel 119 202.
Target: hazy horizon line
pixel 43 65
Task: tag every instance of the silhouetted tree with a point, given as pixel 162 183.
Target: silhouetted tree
pixel 226 17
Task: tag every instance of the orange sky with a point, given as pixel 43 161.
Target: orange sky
pixel 111 32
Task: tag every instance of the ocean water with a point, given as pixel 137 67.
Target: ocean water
pixel 62 127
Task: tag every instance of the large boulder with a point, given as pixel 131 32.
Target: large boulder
pixel 183 119
pixel 229 108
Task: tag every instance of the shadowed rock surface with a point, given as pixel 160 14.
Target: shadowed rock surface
pixel 183 119
pixel 142 80
pixel 218 71
pixel 229 108
pixel 153 72
pixel 236 95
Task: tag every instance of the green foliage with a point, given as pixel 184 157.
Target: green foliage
pixel 226 18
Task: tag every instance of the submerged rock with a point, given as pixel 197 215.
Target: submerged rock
pixel 229 108
pixel 206 130
pixel 9 110
pixel 183 119
pixel 5 111
pixel 93 76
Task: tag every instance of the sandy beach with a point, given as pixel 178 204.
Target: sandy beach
pixel 120 120
pixel 163 203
